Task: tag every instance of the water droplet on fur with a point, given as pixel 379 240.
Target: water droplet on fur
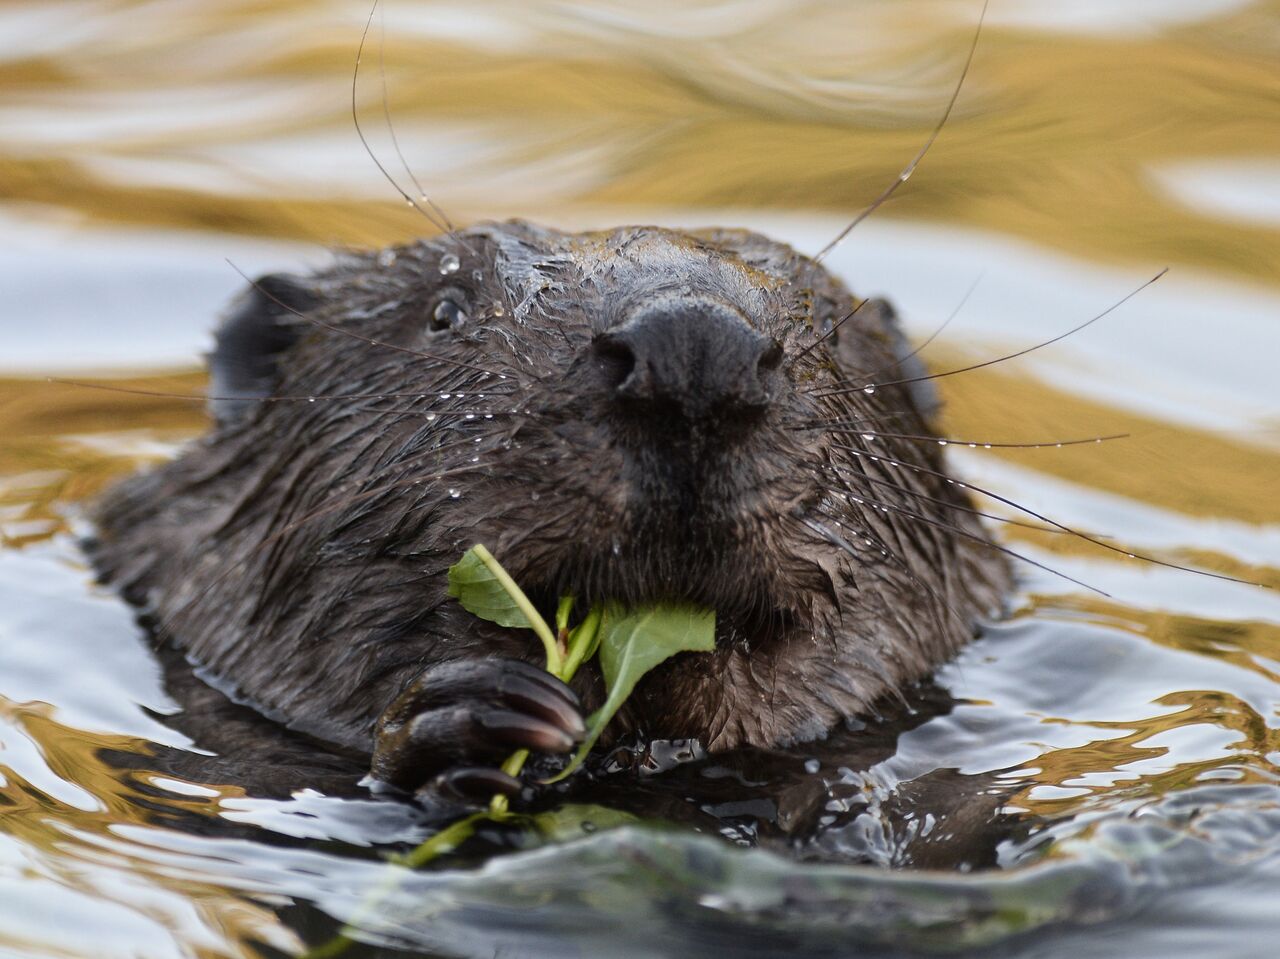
pixel 311 399
pixel 617 548
pixel 986 446
pixel 387 258
pixel 868 390
pixel 868 436
pixel 535 496
pixel 973 446
pixel 431 417
pixel 475 459
pixel 449 263
pixel 488 416
pixel 470 416
pixel 942 442
pixel 445 396
pixel 454 494
pixel 498 310
pixel 811 766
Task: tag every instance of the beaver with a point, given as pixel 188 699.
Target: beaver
pixel 632 415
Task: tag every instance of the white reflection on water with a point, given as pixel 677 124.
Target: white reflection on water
pixel 92 299
pixel 1247 191
pixel 1146 527
pixel 1110 17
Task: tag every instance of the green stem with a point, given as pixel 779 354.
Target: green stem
pixel 582 642
pixel 536 622
pixel 446 840
pixel 499 804
pixel 562 614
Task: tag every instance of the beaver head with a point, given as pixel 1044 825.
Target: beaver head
pixel 635 415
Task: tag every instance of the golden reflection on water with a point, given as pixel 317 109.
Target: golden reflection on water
pixel 1191 471
pixel 1058 138
pixel 64 444
pixel 1064 139
pixel 76 842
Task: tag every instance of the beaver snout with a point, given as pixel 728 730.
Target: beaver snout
pixel 694 357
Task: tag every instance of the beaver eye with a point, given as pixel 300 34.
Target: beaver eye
pixel 449 314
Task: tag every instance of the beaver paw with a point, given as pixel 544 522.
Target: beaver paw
pixel 447 732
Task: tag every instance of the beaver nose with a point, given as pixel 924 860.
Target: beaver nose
pixel 693 355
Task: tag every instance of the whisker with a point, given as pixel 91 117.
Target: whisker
pixel 872 387
pixel 395 140
pixel 829 333
pixel 431 414
pixel 355 119
pixel 1052 522
pixel 972 444
pixel 907 491
pixel 919 517
pixel 910 168
pixel 205 397
pixel 441 224
pixel 897 364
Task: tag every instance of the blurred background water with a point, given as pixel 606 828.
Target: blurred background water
pixel 145 144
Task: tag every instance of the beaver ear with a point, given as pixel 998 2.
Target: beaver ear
pixel 261 325
pixel 879 315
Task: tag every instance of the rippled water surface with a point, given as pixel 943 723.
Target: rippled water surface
pixel 1116 757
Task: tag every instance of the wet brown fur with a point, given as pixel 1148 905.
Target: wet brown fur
pixel 298 551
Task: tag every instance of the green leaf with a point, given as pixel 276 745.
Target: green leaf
pixel 482 593
pixel 631 644
pixel 485 589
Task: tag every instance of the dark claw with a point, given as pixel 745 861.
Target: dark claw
pixel 474 784
pixel 545 701
pixel 543 678
pixel 452 725
pixel 524 732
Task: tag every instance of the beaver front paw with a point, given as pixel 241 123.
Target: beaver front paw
pixel 448 731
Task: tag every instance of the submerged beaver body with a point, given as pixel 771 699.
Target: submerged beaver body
pixel 633 415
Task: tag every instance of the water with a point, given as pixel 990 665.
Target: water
pixel 1126 744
